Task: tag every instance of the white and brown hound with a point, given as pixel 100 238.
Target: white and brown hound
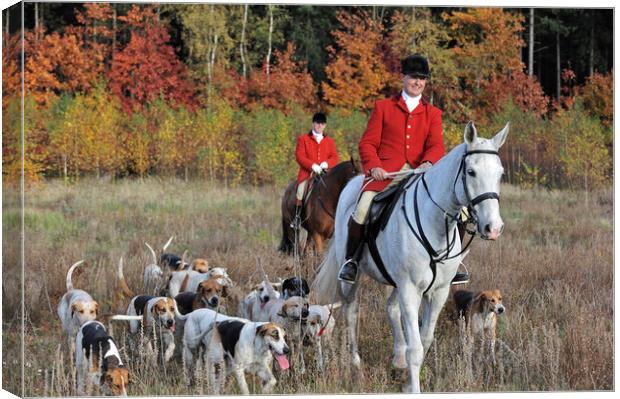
pixel 240 346
pixel 250 306
pixel 318 330
pixel 480 313
pixel 76 307
pixel 158 316
pixel 98 361
pixel 179 279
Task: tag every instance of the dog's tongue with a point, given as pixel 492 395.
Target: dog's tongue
pixel 282 361
pixel 173 328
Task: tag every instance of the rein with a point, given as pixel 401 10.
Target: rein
pixel 471 217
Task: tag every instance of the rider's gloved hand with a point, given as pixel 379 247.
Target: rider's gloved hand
pixel 317 169
pixel 323 165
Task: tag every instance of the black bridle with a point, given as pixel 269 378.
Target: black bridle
pixel 471 218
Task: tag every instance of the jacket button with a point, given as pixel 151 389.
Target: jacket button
pixel 407 136
pixel 407 146
pixel 408 126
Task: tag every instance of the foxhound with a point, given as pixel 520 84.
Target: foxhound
pixel 251 305
pixel 158 316
pixel 98 361
pixel 295 286
pixel 318 330
pixel 189 280
pixel 208 295
pixel 179 279
pixel 196 326
pixel 480 313
pixel 76 307
pixel 237 346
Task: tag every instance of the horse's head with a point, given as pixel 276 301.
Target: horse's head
pixel 481 172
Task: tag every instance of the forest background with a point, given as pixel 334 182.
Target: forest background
pixel 221 91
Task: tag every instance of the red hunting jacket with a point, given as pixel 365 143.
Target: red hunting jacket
pixel 395 136
pixel 309 152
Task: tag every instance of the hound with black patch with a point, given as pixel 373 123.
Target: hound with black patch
pixel 295 286
pixel 158 316
pixel 98 361
pixel 76 307
pixel 237 347
pixel 208 295
pixel 480 313
pixel 196 326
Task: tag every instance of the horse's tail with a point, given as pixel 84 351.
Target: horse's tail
pixel 286 245
pixel 325 284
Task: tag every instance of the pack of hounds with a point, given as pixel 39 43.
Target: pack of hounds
pixel 184 312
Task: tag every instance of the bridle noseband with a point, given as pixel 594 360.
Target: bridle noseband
pixel 473 215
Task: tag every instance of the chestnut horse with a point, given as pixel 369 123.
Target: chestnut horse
pixel 319 206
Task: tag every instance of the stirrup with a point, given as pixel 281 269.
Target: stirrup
pixel 344 278
pixel 460 278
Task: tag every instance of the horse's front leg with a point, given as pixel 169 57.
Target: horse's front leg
pixel 351 309
pixel 399 360
pixel 433 303
pixel 409 298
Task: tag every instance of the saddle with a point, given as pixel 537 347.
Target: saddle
pixel 381 209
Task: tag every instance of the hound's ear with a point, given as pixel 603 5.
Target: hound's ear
pixel 97 309
pixel 261 330
pixel 73 309
pixel 224 291
pixel 281 314
pixel 470 134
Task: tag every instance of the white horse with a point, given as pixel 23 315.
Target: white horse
pixel 469 175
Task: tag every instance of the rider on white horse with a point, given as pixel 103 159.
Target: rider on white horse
pixel 404 132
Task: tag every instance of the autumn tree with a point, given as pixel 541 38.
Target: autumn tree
pixel 487 47
pixel 148 66
pixel 598 97
pixel 415 31
pixel 356 72
pixel 289 84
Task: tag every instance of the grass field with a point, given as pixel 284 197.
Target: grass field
pixel 554 265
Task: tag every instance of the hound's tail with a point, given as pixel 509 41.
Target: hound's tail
pixel 70 272
pixel 121 279
pixel 166 245
pixel 325 284
pixel 122 317
pixel 153 254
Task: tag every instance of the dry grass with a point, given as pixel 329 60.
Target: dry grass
pixel 553 264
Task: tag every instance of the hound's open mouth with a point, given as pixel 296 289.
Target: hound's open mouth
pixel 281 359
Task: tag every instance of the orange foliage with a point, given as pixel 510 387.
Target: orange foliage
pixel 148 68
pixel 598 96
pixel 356 71
pixel 11 71
pixel 288 83
pixel 525 91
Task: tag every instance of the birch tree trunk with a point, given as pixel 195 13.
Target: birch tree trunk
pixel 530 50
pixel 268 60
pixel 242 43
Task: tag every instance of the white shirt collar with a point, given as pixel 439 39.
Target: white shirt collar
pixel 412 102
pixel 317 136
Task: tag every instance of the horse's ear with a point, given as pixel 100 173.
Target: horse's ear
pixel 470 133
pixel 500 137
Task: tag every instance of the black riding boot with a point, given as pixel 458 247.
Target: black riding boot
pixel 355 241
